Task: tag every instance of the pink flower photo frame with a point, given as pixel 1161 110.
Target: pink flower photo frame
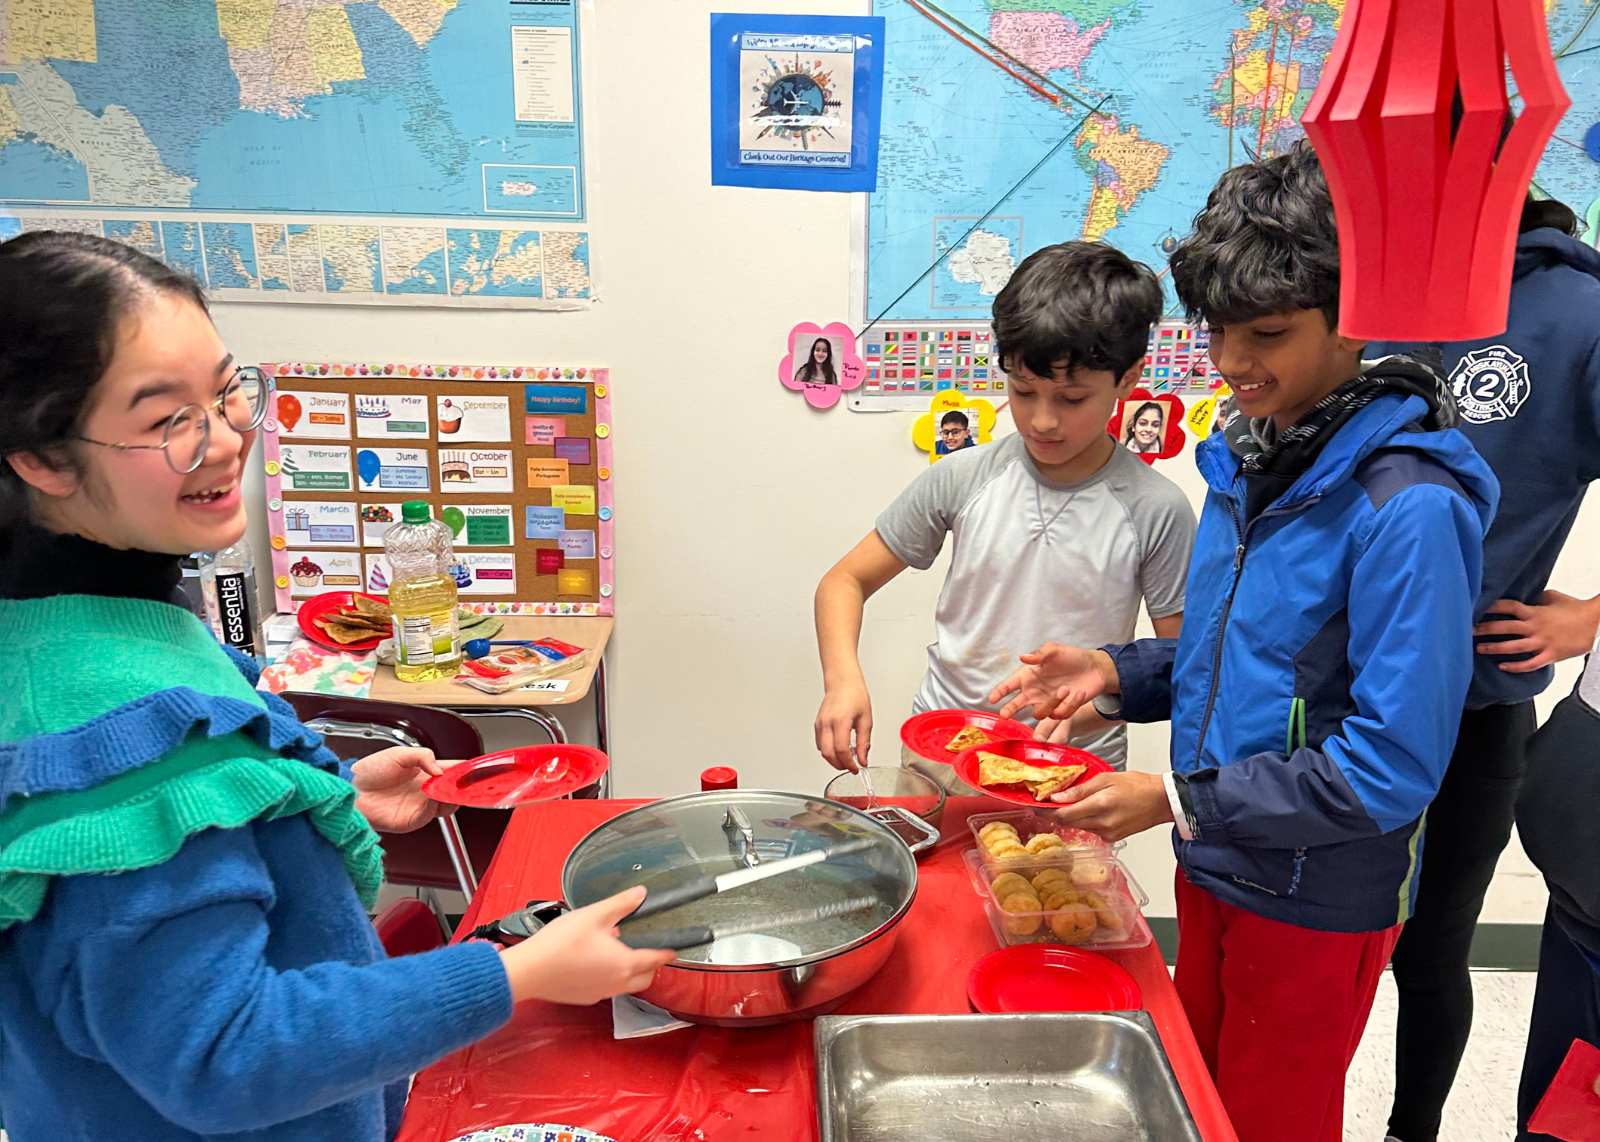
pixel 822 363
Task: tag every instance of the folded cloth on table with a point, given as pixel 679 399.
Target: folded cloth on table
pixel 311 669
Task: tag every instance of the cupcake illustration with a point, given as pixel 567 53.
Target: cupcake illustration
pixel 306 573
pixel 449 418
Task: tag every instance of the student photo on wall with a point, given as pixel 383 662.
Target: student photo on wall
pixel 1144 427
pixel 955 433
pixel 816 364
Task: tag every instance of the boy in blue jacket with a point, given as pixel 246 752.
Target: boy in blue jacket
pixel 1316 689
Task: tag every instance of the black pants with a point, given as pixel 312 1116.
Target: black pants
pixel 1566 1006
pixel 1469 825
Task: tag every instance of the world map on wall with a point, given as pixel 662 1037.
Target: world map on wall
pixel 401 150
pixel 976 92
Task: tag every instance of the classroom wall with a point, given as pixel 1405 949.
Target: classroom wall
pixel 732 495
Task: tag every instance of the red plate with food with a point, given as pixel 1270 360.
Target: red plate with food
pixel 345 620
pixel 1047 977
pixel 932 734
pixel 519 776
pixel 1026 772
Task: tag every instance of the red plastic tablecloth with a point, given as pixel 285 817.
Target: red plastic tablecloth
pixel 705 1084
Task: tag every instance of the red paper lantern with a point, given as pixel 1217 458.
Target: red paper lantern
pixel 1427 224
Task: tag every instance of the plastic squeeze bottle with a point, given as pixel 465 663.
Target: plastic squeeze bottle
pixel 422 595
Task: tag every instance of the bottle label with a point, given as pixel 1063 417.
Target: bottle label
pixel 236 612
pixel 421 639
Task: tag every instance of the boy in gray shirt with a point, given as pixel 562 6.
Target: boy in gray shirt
pixel 1056 520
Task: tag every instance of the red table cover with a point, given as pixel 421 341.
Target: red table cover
pixel 560 1064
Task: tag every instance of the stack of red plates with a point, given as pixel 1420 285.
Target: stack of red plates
pixel 1048 977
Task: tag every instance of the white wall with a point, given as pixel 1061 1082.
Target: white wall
pixel 732 496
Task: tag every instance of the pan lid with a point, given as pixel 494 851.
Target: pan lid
pixel 669 843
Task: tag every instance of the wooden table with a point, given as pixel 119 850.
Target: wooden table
pixel 712 1084
pixel 592 633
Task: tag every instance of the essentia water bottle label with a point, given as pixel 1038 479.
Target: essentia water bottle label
pixel 236 611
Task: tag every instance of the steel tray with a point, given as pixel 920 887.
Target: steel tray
pixel 949 1078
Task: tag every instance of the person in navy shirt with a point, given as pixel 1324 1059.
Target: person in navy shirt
pixel 1529 400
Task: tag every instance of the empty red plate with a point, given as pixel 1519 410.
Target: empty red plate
pixel 927 734
pixel 1048 977
pixel 1033 753
pixel 518 776
pixel 319 605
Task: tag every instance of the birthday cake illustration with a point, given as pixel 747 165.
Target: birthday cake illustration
pixel 462 576
pixel 453 466
pixel 372 408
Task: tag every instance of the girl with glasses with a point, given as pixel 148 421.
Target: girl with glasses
pixel 184 869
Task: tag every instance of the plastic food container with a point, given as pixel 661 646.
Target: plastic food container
pixel 1030 823
pixel 1113 921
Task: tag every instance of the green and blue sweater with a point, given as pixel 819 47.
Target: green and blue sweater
pixel 184 947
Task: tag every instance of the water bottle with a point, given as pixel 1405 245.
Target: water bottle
pixel 228 585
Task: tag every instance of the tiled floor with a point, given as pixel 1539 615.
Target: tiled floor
pixel 1483 1102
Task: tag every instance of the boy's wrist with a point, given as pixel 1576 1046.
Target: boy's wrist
pixel 1108 671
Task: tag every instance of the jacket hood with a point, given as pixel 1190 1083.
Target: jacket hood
pixel 1546 247
pixel 1392 420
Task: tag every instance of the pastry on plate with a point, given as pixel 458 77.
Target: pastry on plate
pixel 967 737
pixel 1041 781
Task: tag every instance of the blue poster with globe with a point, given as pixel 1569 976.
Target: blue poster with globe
pixel 411 152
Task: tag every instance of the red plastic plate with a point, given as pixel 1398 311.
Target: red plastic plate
pixel 1032 752
pixel 319 605
pixel 1048 977
pixel 927 734
pixel 518 776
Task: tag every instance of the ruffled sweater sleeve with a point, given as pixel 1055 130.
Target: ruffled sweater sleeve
pixel 166 975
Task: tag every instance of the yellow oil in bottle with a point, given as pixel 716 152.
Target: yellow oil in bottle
pixel 426 637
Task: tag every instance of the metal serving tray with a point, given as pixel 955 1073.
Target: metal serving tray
pixel 950 1078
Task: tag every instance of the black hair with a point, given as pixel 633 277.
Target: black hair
pixel 1265 243
pixel 62 296
pixel 955 417
pixel 809 372
pixel 1541 212
pixel 1076 305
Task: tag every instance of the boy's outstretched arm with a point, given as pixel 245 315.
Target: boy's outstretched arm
pixel 841 599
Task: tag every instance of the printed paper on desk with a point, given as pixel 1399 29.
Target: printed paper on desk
pixel 469 470
pixel 575 498
pixel 321 416
pixel 486 419
pixel 544 430
pixel 545 523
pixel 310 468
pixel 392 417
pixel 393 470
pixel 309 522
pixel 549 685
pixel 547 473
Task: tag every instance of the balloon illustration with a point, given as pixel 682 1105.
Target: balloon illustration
pixel 368 465
pixel 288 410
pixel 455 518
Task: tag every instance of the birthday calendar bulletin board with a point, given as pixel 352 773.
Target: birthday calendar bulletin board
pixel 516 459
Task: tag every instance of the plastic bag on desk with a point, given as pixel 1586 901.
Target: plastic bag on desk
pixel 519 665
pixel 561 1064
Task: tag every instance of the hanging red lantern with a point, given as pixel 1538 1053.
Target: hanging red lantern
pixel 1428 217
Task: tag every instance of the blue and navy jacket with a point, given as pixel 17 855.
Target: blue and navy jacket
pixel 1318 684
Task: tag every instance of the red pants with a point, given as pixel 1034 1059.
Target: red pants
pixel 1278 1012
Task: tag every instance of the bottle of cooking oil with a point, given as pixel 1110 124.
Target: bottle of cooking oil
pixel 422 595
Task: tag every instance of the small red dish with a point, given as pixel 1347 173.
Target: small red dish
pixel 319 605
pixel 519 776
pixel 927 734
pixel 1033 753
pixel 1048 977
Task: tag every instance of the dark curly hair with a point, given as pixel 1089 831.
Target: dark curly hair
pixel 1078 304
pixel 1265 243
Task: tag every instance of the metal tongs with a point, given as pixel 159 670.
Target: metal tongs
pixel 694 936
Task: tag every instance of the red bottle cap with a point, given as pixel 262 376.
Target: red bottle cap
pixel 719 777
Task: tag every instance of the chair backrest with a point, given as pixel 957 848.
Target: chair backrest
pixel 419 858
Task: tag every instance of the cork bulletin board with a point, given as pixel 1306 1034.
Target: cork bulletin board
pixel 516 459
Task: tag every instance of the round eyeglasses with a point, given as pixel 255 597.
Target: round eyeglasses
pixel 186 437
